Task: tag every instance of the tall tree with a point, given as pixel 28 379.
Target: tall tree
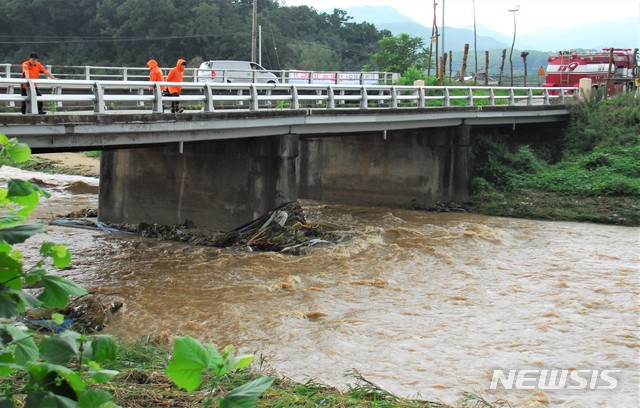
pixel 398 53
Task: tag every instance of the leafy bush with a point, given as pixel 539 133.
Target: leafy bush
pixel 39 369
pixel 607 123
pixel 191 359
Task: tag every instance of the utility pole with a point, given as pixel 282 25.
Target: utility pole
pixel 475 46
pixel 254 31
pixel 443 49
pixel 514 41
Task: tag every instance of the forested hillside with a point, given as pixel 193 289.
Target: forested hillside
pixel 130 32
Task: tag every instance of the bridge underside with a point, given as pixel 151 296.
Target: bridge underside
pixel 217 185
pixel 227 183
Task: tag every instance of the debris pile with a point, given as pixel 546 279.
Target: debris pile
pixel 281 230
pixel 84 314
pixel 284 229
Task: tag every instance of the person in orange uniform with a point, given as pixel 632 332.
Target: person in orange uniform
pixel 155 73
pixel 175 75
pixel 31 69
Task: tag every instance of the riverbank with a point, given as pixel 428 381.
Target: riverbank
pixel 147 385
pixel 542 205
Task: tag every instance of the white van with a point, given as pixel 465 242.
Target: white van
pixel 234 71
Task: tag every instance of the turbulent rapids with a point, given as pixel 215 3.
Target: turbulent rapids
pixel 423 304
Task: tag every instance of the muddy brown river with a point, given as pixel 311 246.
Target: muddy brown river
pixel 425 305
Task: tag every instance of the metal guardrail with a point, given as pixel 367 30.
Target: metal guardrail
pixel 101 96
pixel 101 73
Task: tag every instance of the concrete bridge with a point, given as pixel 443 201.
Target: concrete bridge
pixel 222 167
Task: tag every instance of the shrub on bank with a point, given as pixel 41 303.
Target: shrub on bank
pixel 599 156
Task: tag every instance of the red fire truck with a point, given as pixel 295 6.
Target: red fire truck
pixel 618 67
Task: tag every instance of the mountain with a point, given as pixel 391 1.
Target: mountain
pixel 623 33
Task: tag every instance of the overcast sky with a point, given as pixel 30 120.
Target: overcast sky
pixel 495 14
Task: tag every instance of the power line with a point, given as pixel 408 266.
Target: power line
pixel 112 39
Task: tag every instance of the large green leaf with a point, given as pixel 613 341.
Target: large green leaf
pixel 17 234
pixel 34 275
pixel 25 349
pixel 95 399
pixel 6 363
pixel 4 140
pixel 58 252
pixel 10 271
pixel 104 348
pixel 48 400
pixel 22 188
pixel 189 359
pixel 10 218
pixel 19 152
pixel 11 303
pixel 61 348
pixel 57 291
pixel 246 396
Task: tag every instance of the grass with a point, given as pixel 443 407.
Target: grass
pixel 544 205
pixel 142 383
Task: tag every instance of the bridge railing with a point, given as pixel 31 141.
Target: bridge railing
pixel 101 73
pixel 144 96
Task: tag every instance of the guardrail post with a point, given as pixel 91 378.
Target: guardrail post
pixel 125 74
pixel 157 99
pixel 7 70
pixel 98 92
pixel 10 91
pixel 140 93
pixel 331 99
pixel 87 73
pixel 421 95
pixel 512 97
pixel 562 96
pixel 447 98
pixel 295 101
pixel 364 101
pixel 530 97
pixel 208 98
pixel 545 93
pixel 254 97
pixel 394 97
pixel 469 97
pixel 492 97
pixel 33 98
pixel 58 91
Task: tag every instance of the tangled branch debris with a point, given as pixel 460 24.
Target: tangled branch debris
pixel 284 230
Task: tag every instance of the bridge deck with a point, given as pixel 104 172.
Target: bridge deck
pixel 82 131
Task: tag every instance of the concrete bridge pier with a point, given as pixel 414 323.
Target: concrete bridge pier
pixel 215 184
pixel 413 168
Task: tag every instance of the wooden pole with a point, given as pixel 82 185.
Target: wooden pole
pixel 464 62
pixel 606 87
pixel 450 63
pixel 486 68
pixel 475 45
pixel 435 28
pixel 504 54
pixel 524 55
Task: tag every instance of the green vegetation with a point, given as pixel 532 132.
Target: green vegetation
pixel 591 173
pixel 141 383
pixel 59 370
pixel 130 32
